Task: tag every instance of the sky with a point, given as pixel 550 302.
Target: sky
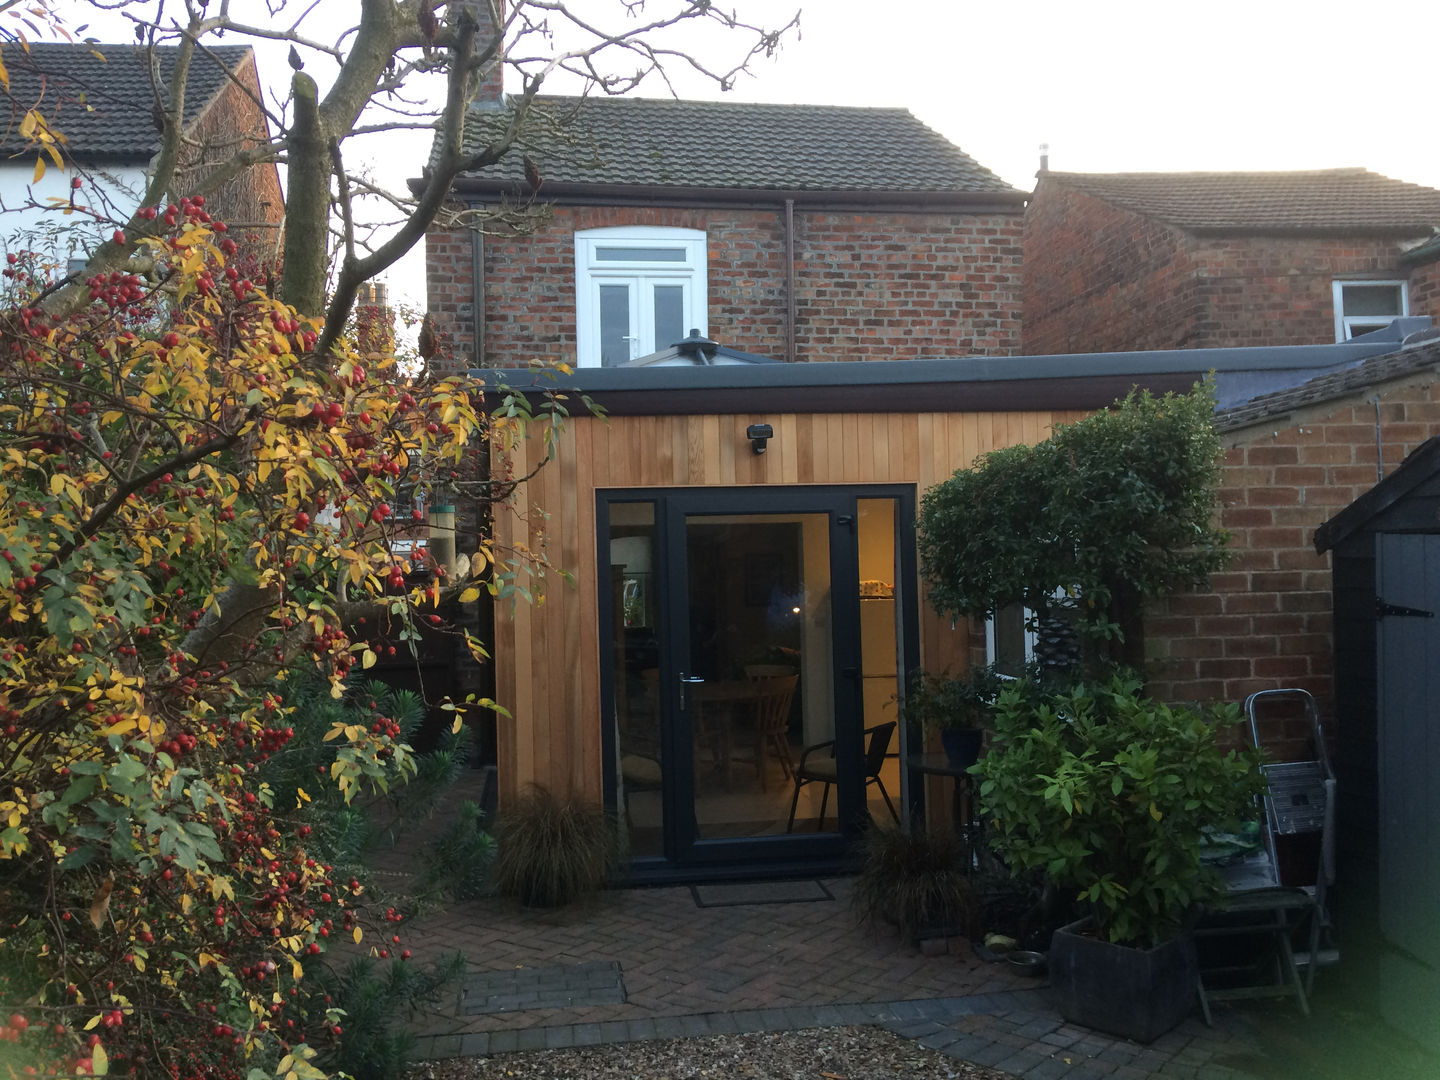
pixel 1110 85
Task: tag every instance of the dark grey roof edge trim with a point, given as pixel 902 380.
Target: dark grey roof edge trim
pixel 578 194
pixel 1081 393
pixel 1421 464
pixel 1007 369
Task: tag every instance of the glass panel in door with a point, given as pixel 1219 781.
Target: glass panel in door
pixel 616 333
pixel 880 656
pixel 639 771
pixel 669 304
pixel 760 679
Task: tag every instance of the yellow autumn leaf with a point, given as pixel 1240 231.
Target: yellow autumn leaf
pixel 100 1064
pixel 470 595
pixel 1155 812
pixel 358 935
pixel 39 170
pixel 94 1021
pixel 296 971
pixel 456 726
pixel 368 658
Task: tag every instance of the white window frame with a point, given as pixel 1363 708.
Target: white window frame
pixel 992 651
pixel 591 272
pixel 1345 324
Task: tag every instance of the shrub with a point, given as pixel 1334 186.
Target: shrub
pixel 916 882
pixel 550 851
pixel 1108 791
pixel 1111 510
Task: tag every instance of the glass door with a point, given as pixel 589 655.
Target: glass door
pixel 755 671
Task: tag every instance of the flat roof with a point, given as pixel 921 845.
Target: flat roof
pixel 962 384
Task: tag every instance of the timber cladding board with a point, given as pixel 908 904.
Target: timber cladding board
pixel 547 653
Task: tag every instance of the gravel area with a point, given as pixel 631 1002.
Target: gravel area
pixel 850 1053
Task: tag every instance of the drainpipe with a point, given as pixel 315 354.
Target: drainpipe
pixel 477 290
pixel 790 281
pixel 1379 442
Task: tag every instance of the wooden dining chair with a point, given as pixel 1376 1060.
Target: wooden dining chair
pixel 770 720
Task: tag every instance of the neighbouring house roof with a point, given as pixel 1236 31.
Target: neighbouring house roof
pixel 1409 360
pixel 1422 464
pixel 102 97
pixel 667 145
pixel 1328 201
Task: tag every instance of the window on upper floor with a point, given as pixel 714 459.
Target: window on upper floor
pixel 1363 306
pixel 638 289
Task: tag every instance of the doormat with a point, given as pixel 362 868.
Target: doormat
pixel 760 892
pixel 555 986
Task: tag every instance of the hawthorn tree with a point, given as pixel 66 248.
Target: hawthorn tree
pixel 166 451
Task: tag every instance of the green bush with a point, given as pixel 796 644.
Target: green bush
pixel 945 703
pixel 1108 791
pixel 550 851
pixel 915 881
pixel 1111 510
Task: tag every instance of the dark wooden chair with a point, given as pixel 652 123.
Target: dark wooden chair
pixel 822 770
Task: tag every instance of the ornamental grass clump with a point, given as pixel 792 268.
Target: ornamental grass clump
pixel 916 882
pixel 551 851
pixel 1107 791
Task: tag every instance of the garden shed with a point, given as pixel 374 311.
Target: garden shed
pixel 1386 558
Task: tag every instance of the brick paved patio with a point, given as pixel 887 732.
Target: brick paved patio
pixel 650 963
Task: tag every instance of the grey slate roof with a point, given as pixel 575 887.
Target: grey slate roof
pixel 104 106
pixel 1335 201
pixel 1410 360
pixel 655 142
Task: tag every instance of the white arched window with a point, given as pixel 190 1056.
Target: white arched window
pixel 638 289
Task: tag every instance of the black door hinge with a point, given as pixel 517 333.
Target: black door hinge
pixel 1382 609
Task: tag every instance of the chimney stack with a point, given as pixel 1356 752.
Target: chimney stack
pixel 1044 157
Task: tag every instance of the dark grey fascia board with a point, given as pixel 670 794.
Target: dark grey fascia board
pixel 969 384
pixel 579 194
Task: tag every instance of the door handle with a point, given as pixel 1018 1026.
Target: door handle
pixel 687 680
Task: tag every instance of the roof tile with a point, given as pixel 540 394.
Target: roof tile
pixel 1325 200
pixel 1409 360
pixel 653 142
pixel 104 104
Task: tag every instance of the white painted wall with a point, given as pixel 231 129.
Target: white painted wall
pixel 29 221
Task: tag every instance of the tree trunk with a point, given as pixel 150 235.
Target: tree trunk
pixel 307 204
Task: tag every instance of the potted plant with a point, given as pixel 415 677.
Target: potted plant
pixel 1108 791
pixel 959 708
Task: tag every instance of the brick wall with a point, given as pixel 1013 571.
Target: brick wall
pixel 1100 278
pixel 1265 621
pixel 1277 290
pixel 868 286
pixel 232 123
pixel 1425 290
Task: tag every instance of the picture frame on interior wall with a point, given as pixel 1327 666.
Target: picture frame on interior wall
pixel 638 289
pixel 1363 305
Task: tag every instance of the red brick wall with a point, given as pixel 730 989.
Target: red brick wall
pixel 868 286
pixel 1265 621
pixel 1277 291
pixel 232 123
pixel 1425 290
pixel 1099 278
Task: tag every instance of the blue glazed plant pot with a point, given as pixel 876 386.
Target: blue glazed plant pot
pixel 962 745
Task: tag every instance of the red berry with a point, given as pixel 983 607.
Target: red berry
pixel 118 236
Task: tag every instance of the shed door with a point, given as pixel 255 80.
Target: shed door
pixel 1408 705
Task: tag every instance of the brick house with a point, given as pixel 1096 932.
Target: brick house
pixel 1182 260
pixel 795 231
pixel 104 105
